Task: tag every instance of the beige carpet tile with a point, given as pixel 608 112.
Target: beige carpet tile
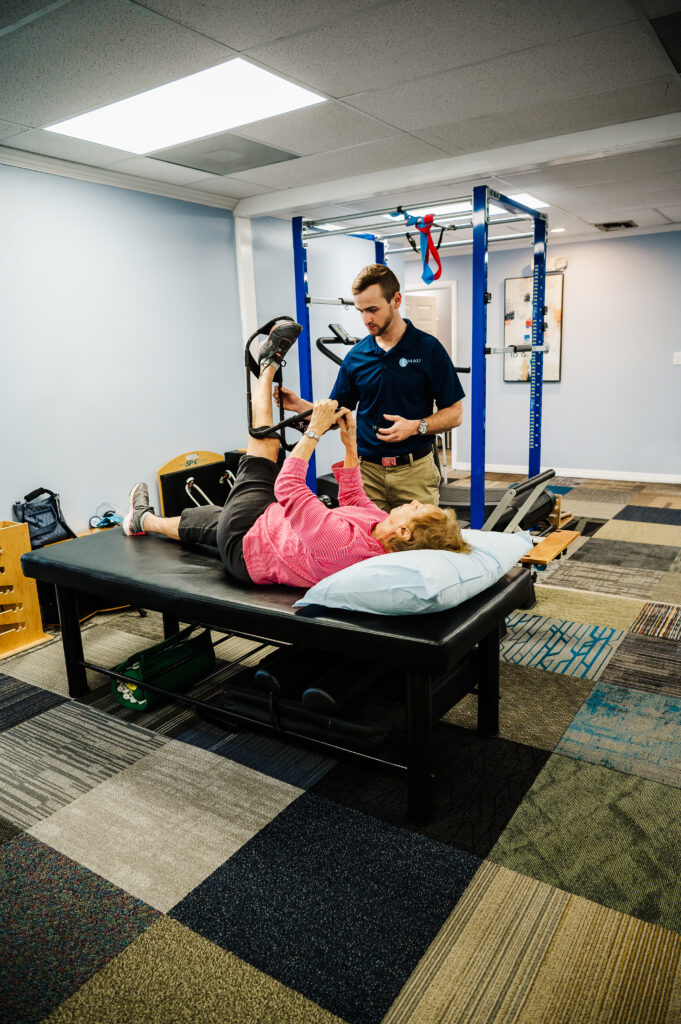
pixel 674 490
pixel 52 759
pixel 535 709
pixel 517 951
pixel 601 609
pixel 642 533
pixel 171 975
pixel 168 822
pixel 676 564
pixel 590 509
pixel 668 588
pixel 659 500
pixel 607 579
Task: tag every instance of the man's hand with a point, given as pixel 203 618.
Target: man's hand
pixel 323 415
pixel 348 428
pixel 400 430
pixel 290 400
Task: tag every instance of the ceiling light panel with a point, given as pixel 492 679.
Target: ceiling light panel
pixel 231 94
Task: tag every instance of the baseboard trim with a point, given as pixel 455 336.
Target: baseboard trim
pixel 633 476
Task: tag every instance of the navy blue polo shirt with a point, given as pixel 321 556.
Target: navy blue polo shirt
pixel 402 382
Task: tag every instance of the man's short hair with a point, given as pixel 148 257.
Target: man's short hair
pixel 376 273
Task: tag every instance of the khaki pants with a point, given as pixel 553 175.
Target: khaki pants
pixel 390 486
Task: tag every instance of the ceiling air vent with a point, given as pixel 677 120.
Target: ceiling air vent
pixel 616 225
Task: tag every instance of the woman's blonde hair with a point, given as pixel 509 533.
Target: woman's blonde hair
pixel 436 528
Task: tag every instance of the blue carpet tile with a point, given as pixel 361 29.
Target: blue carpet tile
pixel 333 903
pixel 19 701
pixel 556 645
pixel 267 754
pixel 480 782
pixel 77 921
pixel 629 731
pixel 646 514
pixel 558 489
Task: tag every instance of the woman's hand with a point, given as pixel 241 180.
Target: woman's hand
pixel 348 428
pixel 323 415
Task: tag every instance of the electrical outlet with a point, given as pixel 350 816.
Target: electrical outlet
pixel 676 359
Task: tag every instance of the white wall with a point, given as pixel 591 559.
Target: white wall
pixel 120 335
pixel 617 407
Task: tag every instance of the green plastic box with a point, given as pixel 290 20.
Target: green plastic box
pixel 175 664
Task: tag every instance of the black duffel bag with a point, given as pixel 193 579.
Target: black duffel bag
pixel 41 511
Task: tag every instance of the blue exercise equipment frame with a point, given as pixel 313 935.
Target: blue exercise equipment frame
pixel 479 351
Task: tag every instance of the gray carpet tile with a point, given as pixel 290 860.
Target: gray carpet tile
pixel 626 554
pixel 50 760
pixel 607 579
pixel 646 663
pixel 619 492
pixel 19 701
pixel 647 514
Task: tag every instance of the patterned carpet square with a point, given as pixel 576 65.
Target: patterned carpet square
pixel 18 701
pixel 650 500
pixel 332 903
pixel 50 760
pixel 648 514
pixel 628 730
pixel 171 975
pixel 535 706
pixel 675 567
pixel 612 838
pixel 8 830
pixel 572 648
pixel 479 783
pixel 646 663
pixel 600 609
pixel 516 950
pixel 170 820
pixel 663 620
pixel 668 587
pixel 591 509
pixel 641 533
pixel 606 579
pixel 626 554
pixel 264 753
pixel 76 920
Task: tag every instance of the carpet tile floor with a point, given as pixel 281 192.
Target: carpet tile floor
pixel 159 868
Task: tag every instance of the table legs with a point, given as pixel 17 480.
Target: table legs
pixel 488 684
pixel 76 675
pixel 419 728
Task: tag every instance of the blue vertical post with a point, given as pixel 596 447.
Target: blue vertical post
pixel 537 364
pixel 478 365
pixel 380 250
pixel 303 318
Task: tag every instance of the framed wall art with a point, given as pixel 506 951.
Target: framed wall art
pixel 518 327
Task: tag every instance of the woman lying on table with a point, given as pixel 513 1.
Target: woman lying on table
pixel 272 528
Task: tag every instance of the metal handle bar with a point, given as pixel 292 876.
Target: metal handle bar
pixel 533 481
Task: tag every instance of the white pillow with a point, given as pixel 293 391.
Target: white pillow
pixel 408 582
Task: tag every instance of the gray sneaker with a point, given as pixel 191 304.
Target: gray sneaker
pixel 139 506
pixel 283 335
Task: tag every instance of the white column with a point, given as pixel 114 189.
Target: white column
pixel 243 237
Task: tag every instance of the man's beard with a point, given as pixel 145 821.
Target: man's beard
pixel 385 326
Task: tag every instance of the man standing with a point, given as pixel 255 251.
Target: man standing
pixel 395 374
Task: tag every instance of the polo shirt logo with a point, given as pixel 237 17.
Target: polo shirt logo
pixel 405 362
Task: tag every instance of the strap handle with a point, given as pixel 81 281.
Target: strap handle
pixel 37 492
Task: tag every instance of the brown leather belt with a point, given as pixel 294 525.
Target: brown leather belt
pixel 399 460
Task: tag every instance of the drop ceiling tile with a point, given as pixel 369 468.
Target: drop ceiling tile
pixel 316 129
pixel 558 117
pixel 15 11
pixel 83 56
pixel 589 64
pixel 395 151
pixel 646 163
pixel 63 148
pixel 230 187
pixel 672 213
pixel 159 170
pixel 376 46
pixel 244 25
pixel 643 218
pixel 7 129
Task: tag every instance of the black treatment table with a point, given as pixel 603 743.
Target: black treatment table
pixel 189 585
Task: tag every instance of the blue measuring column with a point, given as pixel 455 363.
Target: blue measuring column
pixel 537 365
pixel 478 364
pixel 303 318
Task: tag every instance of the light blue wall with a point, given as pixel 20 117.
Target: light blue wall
pixel 333 263
pixel 121 341
pixel 618 405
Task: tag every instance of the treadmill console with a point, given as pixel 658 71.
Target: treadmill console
pixel 342 334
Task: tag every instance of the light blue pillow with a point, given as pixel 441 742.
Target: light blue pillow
pixel 409 582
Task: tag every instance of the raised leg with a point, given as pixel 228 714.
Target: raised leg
pixel 419 766
pixel 76 675
pixel 488 684
pixel 262 416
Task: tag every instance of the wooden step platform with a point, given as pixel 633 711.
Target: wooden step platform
pixel 551 547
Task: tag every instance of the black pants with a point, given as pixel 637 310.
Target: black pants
pixel 225 528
